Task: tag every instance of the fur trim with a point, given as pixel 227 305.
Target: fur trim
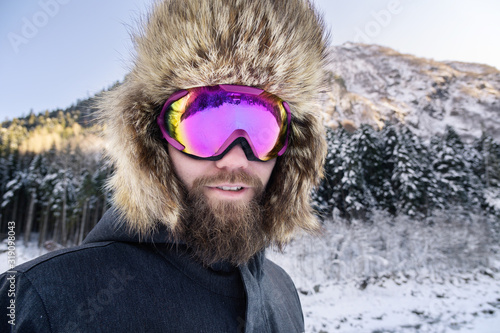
pixel 275 45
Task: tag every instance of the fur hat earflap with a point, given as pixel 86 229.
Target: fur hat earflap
pixel 276 45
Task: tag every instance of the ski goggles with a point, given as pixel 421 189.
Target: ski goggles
pixel 206 122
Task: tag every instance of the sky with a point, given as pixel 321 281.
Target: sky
pixel 53 52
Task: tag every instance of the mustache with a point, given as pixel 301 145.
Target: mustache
pixel 235 177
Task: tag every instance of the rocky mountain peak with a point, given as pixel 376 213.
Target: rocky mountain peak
pixel 372 84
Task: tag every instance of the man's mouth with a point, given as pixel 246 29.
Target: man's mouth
pixel 230 188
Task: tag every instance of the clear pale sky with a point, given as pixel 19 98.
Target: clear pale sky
pixel 53 52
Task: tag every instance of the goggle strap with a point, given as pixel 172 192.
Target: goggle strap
pixel 288 128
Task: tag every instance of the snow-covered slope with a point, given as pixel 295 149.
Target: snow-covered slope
pixel 398 275
pixel 371 83
pixel 469 302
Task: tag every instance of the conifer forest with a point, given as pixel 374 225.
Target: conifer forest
pixel 53 174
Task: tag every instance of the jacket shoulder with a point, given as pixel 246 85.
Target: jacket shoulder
pixel 276 273
pixel 55 257
pixel 35 289
pixel 281 294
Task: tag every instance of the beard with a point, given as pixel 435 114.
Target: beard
pixel 224 230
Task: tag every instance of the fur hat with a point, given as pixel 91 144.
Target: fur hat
pixel 275 45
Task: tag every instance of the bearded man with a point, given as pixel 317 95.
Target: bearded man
pixel 216 141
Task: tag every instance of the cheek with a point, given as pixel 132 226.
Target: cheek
pixel 265 170
pixel 187 169
pixel 185 176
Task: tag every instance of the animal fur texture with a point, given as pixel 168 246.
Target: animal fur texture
pixel 275 45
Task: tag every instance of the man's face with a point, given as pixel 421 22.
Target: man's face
pixel 189 170
pixel 223 219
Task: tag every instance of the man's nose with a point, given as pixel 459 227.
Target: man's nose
pixel 233 160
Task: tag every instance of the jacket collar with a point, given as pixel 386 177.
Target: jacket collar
pixel 112 227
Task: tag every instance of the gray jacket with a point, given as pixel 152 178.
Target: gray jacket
pixel 115 283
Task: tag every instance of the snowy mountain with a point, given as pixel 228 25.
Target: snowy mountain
pixel 371 84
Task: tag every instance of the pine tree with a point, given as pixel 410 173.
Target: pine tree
pixel 451 167
pixel 386 197
pixel 11 195
pixel 64 194
pixel 430 185
pixel 322 197
pixel 406 174
pixel 354 195
pixel 376 174
pixel 35 174
pixel 486 160
pixel 486 167
pixel 47 201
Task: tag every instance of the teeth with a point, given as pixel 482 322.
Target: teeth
pixel 230 188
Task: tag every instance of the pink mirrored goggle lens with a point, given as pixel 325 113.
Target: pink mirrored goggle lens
pixel 205 121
